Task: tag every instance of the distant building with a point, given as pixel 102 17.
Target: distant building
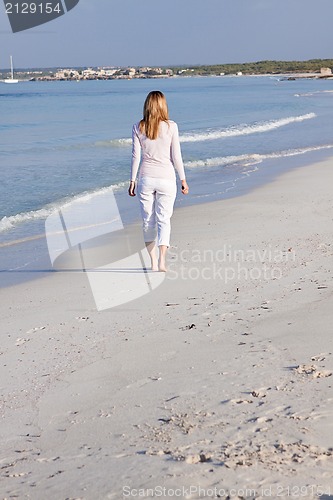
pixel 110 72
pixel 66 74
pixel 325 71
pixel 144 69
pixel 89 73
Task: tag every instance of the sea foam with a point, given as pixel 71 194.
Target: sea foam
pixel 246 129
pixel 232 131
pixel 252 158
pixel 8 222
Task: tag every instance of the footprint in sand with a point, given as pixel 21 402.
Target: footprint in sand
pixel 21 341
pixel 312 370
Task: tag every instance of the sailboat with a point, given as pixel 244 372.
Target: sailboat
pixel 11 79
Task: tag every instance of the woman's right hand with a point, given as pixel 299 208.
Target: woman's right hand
pixel 131 189
pixel 185 187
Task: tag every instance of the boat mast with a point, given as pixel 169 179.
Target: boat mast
pixel 11 67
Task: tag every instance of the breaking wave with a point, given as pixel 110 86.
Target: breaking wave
pixel 8 222
pixel 232 131
pixel 252 159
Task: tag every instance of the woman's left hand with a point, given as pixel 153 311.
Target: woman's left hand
pixel 131 189
pixel 185 187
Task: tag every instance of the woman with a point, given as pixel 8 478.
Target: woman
pixel 156 137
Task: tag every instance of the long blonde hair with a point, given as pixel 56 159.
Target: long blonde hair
pixel 155 110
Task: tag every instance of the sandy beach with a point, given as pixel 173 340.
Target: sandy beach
pixel 216 384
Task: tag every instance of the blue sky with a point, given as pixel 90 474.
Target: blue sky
pixel 160 32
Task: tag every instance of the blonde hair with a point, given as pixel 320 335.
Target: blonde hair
pixel 155 110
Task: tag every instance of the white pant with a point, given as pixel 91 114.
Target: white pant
pixel 157 197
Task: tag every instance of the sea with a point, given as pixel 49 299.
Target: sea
pixel 70 142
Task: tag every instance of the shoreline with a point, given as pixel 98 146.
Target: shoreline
pixel 282 76
pixel 32 243
pixel 219 376
pixel 313 68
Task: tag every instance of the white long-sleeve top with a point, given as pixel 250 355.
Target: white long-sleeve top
pixel 159 157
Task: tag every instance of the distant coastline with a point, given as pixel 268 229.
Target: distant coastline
pixel 314 68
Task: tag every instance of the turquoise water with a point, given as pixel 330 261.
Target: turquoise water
pixel 61 141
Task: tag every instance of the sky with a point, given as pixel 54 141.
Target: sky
pixel 173 32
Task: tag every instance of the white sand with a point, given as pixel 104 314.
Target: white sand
pixel 200 383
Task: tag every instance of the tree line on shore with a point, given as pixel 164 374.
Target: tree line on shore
pixel 257 68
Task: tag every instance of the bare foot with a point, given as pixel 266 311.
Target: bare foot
pixel 162 267
pixel 154 266
pixel 162 257
pixel 151 247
